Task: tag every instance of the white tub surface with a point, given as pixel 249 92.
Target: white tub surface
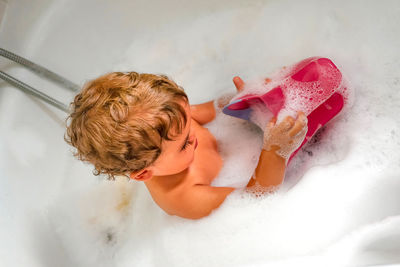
pixel 340 207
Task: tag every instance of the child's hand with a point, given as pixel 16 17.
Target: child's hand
pixel 286 137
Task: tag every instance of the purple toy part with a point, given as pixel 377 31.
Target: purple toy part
pixel 316 80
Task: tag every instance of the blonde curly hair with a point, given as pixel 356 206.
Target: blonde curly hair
pixel 119 120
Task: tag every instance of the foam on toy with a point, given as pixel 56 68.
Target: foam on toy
pixel 314 86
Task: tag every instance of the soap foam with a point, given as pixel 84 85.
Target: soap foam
pixel 344 179
pixel 239 144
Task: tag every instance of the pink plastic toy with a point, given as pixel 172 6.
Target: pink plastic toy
pixel 313 86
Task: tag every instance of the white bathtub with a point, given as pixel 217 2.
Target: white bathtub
pixel 35 162
pixel 74 39
pixel 83 39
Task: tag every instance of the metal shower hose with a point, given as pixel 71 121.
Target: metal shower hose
pixel 40 71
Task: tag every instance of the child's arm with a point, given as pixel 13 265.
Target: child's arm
pixel 203 113
pixel 270 170
pixel 280 141
pixel 199 201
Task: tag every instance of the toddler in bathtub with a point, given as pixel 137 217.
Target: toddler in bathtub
pixel 142 126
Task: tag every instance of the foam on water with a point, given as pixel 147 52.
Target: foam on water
pixel 345 178
pixel 239 144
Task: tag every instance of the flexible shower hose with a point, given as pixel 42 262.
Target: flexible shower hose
pixel 32 91
pixel 41 71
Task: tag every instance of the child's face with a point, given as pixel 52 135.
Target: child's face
pixel 177 155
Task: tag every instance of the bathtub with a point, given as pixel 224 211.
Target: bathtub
pixel 36 164
pixel 83 39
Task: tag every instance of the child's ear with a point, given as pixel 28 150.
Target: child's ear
pixel 142 175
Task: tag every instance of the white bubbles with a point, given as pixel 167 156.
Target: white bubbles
pixel 239 144
pixel 260 115
pixel 344 179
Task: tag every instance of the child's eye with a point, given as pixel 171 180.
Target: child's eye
pixel 185 145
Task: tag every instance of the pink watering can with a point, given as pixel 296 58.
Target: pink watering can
pixel 314 86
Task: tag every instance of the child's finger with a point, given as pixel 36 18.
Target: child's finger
pixel 300 113
pixel 270 125
pixel 300 123
pixel 287 123
pixel 284 126
pixel 303 132
pixel 239 83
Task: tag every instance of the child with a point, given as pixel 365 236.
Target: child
pixel 142 126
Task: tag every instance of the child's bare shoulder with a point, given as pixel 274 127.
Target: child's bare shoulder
pixel 189 194
pixel 194 201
